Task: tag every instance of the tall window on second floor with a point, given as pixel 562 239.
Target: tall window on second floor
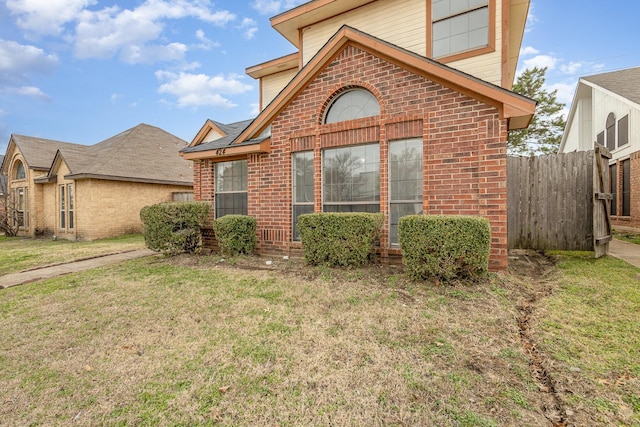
pixel 231 188
pixel 611 131
pixel 352 104
pixel 459 26
pixel 623 131
pixel 20 172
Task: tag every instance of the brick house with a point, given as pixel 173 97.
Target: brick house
pixel 382 109
pixel 606 109
pixel 80 192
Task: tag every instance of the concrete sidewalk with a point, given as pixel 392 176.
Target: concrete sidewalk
pixel 625 251
pixel 47 272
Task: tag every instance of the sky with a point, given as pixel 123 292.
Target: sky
pixel 84 70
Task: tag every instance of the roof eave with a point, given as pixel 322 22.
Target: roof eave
pixel 80 176
pixel 218 154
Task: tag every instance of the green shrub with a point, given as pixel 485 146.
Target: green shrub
pixel 174 228
pixel 339 239
pixel 444 247
pixel 236 234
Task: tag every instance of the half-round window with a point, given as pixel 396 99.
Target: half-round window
pixel 352 104
pixel 20 172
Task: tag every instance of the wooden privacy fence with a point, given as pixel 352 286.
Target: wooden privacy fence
pixel 559 201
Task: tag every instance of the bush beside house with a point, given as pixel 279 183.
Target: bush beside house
pixel 339 239
pixel 444 246
pixel 236 234
pixel 174 228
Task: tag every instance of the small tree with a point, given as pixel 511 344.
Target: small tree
pixel 9 213
pixel 544 134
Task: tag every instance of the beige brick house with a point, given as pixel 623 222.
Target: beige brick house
pixel 81 192
pixel 392 106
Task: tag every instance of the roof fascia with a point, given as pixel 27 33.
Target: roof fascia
pixel 284 63
pixel 508 103
pixel 79 176
pixel 225 153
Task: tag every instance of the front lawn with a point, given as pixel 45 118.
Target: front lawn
pixel 18 253
pixel 196 341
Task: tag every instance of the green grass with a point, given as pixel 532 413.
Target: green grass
pixel 627 236
pixel 18 253
pixel 591 327
pixel 193 341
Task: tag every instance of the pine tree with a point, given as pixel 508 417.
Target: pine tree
pixel 544 134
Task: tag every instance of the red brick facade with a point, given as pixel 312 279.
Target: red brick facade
pixel 464 149
pixel 632 220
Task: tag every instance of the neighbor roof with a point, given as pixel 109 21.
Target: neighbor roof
pixel 143 153
pixel 625 83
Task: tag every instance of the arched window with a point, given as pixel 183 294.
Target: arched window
pixel 611 131
pixel 352 104
pixel 20 172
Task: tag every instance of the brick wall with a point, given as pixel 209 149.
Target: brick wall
pixel 112 208
pixel 634 219
pixel 464 149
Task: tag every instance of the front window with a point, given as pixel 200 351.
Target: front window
pixel 70 204
pixel 303 194
pixel 626 187
pixel 459 26
pixel 352 179
pixel 21 202
pixel 63 207
pixel 352 104
pixel 231 188
pixel 613 178
pixel 405 182
pixel 20 172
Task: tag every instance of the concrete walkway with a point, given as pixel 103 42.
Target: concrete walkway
pixel 47 272
pixel 625 251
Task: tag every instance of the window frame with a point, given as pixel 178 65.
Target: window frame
pixel 223 192
pixel 370 205
pixel 626 187
pixel 341 96
pixel 491 43
pixel 613 186
pixel 393 222
pixel 20 171
pixel 622 137
pixel 301 207
pixel 610 132
pixel 62 205
pixel 70 207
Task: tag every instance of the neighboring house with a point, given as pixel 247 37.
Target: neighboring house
pixel 392 106
pixel 606 109
pixel 81 192
pixel 3 191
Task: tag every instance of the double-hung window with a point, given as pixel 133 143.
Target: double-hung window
pixel 351 179
pixel 613 178
pixel 626 187
pixel 303 194
pixel 63 207
pixel 405 182
pixel 459 26
pixel 231 188
pixel 21 202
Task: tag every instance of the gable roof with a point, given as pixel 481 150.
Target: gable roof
pixel 625 83
pixel 517 108
pixel 229 131
pixel 143 153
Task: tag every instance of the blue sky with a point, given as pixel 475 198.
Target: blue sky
pixel 84 70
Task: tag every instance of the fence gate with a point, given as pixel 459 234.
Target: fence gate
pixel 560 201
pixel 601 202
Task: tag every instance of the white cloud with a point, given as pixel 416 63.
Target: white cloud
pixel 134 54
pixel 32 92
pixel 571 68
pixel 46 17
pixel 250 28
pixel 197 90
pixel 18 62
pixel 255 109
pixel 541 61
pixel 272 7
pixel 205 43
pixel 529 50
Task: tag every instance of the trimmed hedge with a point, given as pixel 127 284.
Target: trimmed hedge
pixel 173 228
pixel 236 234
pixel 444 247
pixel 339 239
